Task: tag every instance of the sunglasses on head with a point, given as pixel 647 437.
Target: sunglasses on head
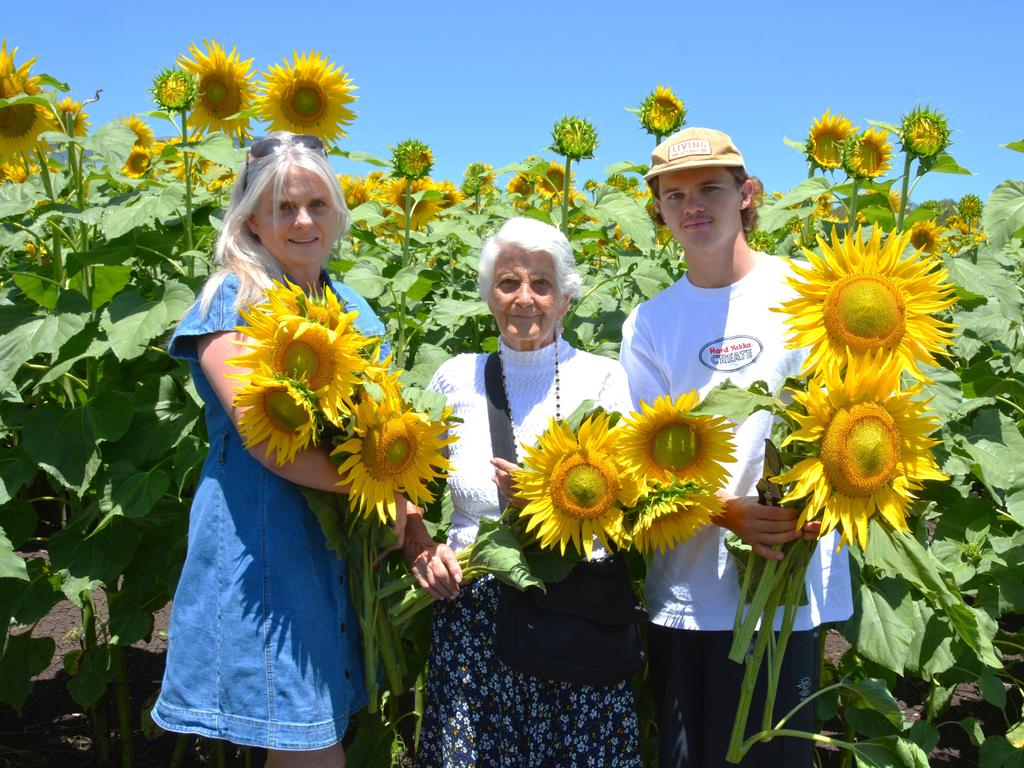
pixel 266 147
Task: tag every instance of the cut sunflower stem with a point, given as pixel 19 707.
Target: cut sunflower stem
pixel 745 633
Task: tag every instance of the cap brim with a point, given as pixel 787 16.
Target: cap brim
pixel 710 163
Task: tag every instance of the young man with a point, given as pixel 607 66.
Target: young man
pixel 715 323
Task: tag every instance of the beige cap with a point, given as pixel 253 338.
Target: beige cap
pixel 693 148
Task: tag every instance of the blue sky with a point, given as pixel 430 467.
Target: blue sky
pixel 482 81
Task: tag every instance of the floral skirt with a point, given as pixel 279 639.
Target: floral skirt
pixel 481 713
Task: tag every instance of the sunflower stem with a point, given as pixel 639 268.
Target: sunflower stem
pixel 418 706
pixel 565 197
pixel 188 195
pixel 44 173
pixel 903 192
pixel 853 203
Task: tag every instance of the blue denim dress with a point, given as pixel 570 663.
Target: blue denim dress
pixel 264 646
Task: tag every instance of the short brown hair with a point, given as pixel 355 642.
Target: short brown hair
pixel 748 216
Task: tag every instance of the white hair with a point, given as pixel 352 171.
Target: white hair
pixel 238 249
pixel 531 236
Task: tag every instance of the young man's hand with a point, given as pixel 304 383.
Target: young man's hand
pixel 761 526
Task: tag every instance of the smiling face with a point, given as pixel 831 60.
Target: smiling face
pixel 525 298
pixel 701 207
pixel 298 227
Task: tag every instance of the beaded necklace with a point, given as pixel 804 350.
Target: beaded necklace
pixel 504 388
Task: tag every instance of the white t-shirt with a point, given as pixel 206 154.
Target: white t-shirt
pixel 689 338
pixel 530 379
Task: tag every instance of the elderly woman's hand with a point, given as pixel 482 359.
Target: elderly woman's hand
pixel 503 479
pixel 432 563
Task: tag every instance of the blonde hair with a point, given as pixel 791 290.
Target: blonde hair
pixel 238 250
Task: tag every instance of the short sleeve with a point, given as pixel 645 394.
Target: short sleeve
pixel 646 379
pixel 220 315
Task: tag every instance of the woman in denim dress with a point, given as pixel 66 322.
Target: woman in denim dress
pixel 264 646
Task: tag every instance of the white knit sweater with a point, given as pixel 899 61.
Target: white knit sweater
pixel 530 380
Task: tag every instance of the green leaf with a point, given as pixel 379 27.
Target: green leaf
pixel 1003 214
pixel 113 142
pixel 368 214
pixel 41 289
pixel 18 521
pixel 26 602
pixel 651 278
pixel 944 163
pixel 732 402
pixel 774 214
pixel 992 689
pixel 889 752
pixel 218 148
pixel 997 446
pixel 998 752
pixel 129 622
pixel 132 492
pixel 973 730
pixel 625 166
pixel 365 157
pixel 497 550
pixel 1016 735
pixel 872 693
pixel 23 657
pixel 99 556
pixel 94 673
pixel 18 199
pixel 108 282
pixel 630 215
pixel 329 510
pixel 1016 146
pixel 26 335
pixel 799 146
pixel 366 280
pixel 132 322
pixel 878 630
pixel 452 313
pixel 146 208
pixel 16 470
pixel 12 565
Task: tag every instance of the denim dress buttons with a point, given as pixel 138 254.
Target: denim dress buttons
pixel 255 655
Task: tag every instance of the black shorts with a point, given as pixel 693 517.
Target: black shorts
pixel 696 692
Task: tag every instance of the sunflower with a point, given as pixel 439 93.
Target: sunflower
pixel 324 308
pixel 20 124
pixel 175 90
pixel 574 138
pixel 867 155
pixel 394 450
pixel 308 96
pixel 665 442
pixel 72 110
pixel 17 172
pixel 412 159
pixel 861 297
pixel 359 189
pixel 477 178
pixel 143 133
pixel 277 411
pixel 924 133
pixel 327 362
pixel 450 194
pixel 969 208
pixel 670 515
pixel 825 141
pixel 825 208
pixel 521 184
pixel 662 112
pixel 138 163
pixel 871 446
pixel 224 88
pixel 551 184
pixel 575 485
pixel 926 235
pixel 423 211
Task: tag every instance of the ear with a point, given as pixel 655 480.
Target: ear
pixel 746 194
pixel 564 308
pixel 250 223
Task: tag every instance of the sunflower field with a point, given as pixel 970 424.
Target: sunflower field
pixel 106 235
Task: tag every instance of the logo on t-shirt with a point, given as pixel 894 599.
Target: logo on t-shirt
pixel 730 353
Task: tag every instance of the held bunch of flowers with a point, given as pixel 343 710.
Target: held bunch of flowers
pixel 854 440
pixel 310 378
pixel 646 481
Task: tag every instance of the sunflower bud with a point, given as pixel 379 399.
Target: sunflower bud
pixel 924 133
pixel 866 155
pixel 824 145
pixel 662 112
pixel 477 178
pixel 762 241
pixel 969 207
pixel 412 159
pixel 574 137
pixel 176 90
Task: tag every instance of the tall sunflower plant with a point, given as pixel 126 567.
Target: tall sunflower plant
pixel 851 448
pixel 309 378
pixel 597 483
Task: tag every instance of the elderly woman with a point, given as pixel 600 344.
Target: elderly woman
pixel 480 712
pixel 247 661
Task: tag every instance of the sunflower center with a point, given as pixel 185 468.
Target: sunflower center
pixel 301 360
pixel 17 120
pixel 215 92
pixel 308 102
pixel 674 447
pixel 865 312
pixel 827 150
pixel 583 489
pixel 389 449
pixel 860 450
pixel 282 409
pixel 870 157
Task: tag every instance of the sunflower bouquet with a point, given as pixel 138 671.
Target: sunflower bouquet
pixel 854 443
pixel 643 482
pixel 311 378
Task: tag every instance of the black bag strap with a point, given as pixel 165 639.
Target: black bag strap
pixel 503 443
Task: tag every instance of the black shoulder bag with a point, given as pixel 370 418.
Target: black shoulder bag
pixel 585 628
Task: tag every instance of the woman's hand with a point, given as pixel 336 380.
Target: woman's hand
pixel 432 563
pixel 761 526
pixel 506 485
